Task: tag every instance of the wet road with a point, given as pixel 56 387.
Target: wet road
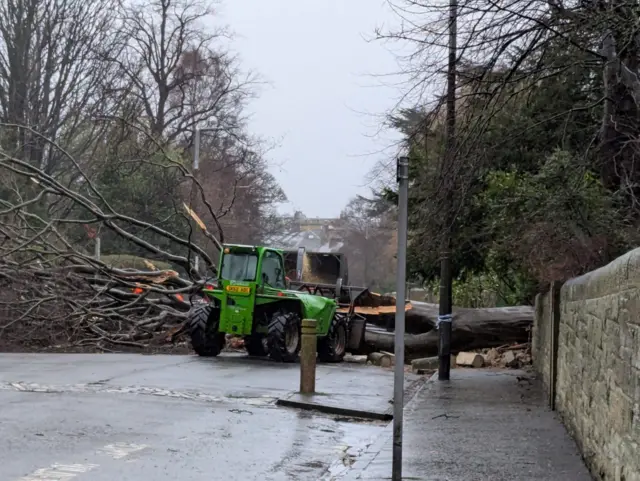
pixel 129 417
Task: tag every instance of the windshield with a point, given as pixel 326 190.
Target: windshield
pixel 239 267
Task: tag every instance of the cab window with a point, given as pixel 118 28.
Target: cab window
pixel 272 272
pixel 239 267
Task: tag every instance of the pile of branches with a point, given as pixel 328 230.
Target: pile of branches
pixel 53 292
pixel 87 304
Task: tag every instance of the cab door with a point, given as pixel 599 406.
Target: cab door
pixel 271 275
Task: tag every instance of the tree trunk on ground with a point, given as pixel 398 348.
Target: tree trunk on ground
pixel 472 329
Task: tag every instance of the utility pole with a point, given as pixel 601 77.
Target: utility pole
pixel 398 381
pixel 366 257
pixel 196 164
pixel 196 149
pixel 445 311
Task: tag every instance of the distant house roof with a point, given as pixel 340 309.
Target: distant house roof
pixel 311 240
pixel 313 234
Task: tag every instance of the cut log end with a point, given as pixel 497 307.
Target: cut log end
pixel 425 364
pixel 470 359
pixel 380 359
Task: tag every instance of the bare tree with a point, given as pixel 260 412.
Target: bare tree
pixel 178 71
pixel 51 74
pixel 240 188
pixel 370 239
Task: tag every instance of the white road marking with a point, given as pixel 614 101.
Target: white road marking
pixel 59 472
pixel 264 400
pixel 121 450
pixel 66 472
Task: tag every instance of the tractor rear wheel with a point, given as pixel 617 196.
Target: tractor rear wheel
pixel 256 345
pixel 203 328
pixel 283 339
pixel 333 346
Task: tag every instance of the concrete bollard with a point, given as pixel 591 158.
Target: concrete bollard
pixel 308 352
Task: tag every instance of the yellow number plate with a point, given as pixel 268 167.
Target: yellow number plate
pixel 239 289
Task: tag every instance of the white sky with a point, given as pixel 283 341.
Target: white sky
pixel 322 103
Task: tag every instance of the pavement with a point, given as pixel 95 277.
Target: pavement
pixel 481 425
pixel 99 417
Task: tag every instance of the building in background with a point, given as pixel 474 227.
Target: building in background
pixel 314 234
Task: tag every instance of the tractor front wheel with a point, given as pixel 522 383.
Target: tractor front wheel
pixel 283 339
pixel 333 346
pixel 203 328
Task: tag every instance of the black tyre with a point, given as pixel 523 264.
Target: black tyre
pixel 333 346
pixel 256 345
pixel 283 339
pixel 203 328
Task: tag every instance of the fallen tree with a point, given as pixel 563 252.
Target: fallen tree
pixel 472 329
pixel 54 292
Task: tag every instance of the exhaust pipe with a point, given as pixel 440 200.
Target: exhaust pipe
pixel 300 263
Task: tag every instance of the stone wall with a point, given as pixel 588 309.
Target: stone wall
pixel 598 364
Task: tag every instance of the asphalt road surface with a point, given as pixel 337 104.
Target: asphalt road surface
pixel 106 417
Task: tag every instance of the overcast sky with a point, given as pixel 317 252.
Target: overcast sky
pixel 321 102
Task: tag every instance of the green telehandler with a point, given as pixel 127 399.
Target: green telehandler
pixel 251 297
